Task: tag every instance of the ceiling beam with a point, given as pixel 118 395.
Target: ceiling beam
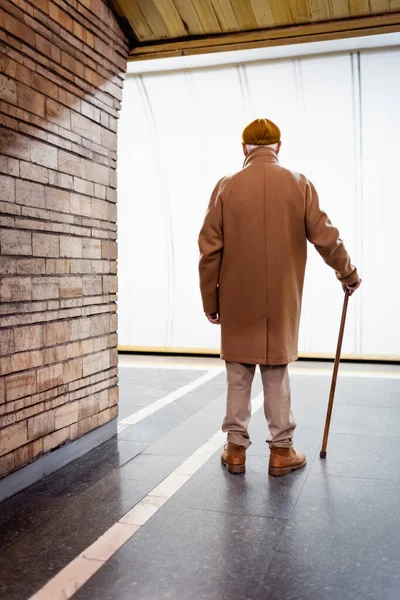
pixel 276 36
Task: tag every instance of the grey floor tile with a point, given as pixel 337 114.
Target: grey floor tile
pixel 37 556
pixel 253 493
pixel 139 386
pixel 370 457
pixel 149 468
pixel 76 477
pixel 23 513
pixel 366 420
pixel 189 554
pixel 126 410
pixel 381 392
pixel 342 543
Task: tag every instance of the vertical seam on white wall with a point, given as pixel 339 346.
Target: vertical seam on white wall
pixel 358 187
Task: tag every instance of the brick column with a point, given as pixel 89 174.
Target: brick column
pixel 61 75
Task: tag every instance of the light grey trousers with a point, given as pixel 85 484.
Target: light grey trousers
pixel 277 408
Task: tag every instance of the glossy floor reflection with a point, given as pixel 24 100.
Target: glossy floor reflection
pixel 328 532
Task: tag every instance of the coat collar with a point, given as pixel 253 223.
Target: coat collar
pixel 260 155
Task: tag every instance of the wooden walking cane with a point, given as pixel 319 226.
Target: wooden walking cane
pixel 322 454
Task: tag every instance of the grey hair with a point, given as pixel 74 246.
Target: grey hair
pixel 273 147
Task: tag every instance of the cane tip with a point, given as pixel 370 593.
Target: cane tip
pixel 322 454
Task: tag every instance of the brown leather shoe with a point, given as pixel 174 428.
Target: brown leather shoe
pixel 285 460
pixel 234 458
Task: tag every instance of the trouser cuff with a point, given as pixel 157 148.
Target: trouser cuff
pixel 234 437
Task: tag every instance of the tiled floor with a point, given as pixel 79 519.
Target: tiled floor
pixel 152 515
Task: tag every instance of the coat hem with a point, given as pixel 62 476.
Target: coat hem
pixel 261 361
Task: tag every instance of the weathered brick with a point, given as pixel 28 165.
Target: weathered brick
pixel 80 329
pixel 30 266
pixel 92 285
pixel 45 244
pixel 40 425
pixel 6 341
pixel 113 396
pixel 61 180
pixel 13 436
pixel 29 193
pixel 8 89
pixel 58 266
pixel 20 385
pixel 16 145
pixel 7 188
pixel 57 333
pixel 71 247
pixel 9 166
pixel 57 200
pixel 57 113
pixel 45 288
pixel 81 205
pixel 70 287
pixel 30 100
pixel 44 85
pixel 49 377
pixel 109 249
pixel 110 284
pixel 36 172
pixel 91 248
pixel 99 325
pixel 2 391
pixel 83 187
pixel 95 363
pixel 27 360
pixel 15 289
pixel 15 242
pixel 55 439
pixel 67 414
pixel 28 338
pixel 73 369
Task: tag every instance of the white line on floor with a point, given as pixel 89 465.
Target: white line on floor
pixel 68 581
pixel 165 400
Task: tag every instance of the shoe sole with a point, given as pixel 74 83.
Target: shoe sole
pixel 235 469
pixel 280 471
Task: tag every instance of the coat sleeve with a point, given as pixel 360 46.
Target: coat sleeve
pixel 326 240
pixel 211 245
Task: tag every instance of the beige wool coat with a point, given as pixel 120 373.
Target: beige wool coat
pixel 253 250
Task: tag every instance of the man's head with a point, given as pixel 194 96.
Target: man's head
pixel 259 133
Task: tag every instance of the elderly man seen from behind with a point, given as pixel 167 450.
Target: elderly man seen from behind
pixel 253 248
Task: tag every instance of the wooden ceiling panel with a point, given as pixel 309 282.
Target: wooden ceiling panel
pixel 281 12
pixel 263 13
pixel 301 11
pixel 189 17
pixel 225 14
pixel 320 10
pixel 378 6
pixel 154 19
pixel 340 9
pixel 171 18
pixel 176 27
pixel 359 7
pixel 244 14
pixel 207 16
pixel 138 22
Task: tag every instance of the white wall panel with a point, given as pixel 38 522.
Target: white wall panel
pixel 180 133
pixel 380 214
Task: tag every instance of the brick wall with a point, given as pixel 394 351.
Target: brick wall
pixel 61 75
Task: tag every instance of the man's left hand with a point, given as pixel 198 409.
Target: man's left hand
pixel 213 318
